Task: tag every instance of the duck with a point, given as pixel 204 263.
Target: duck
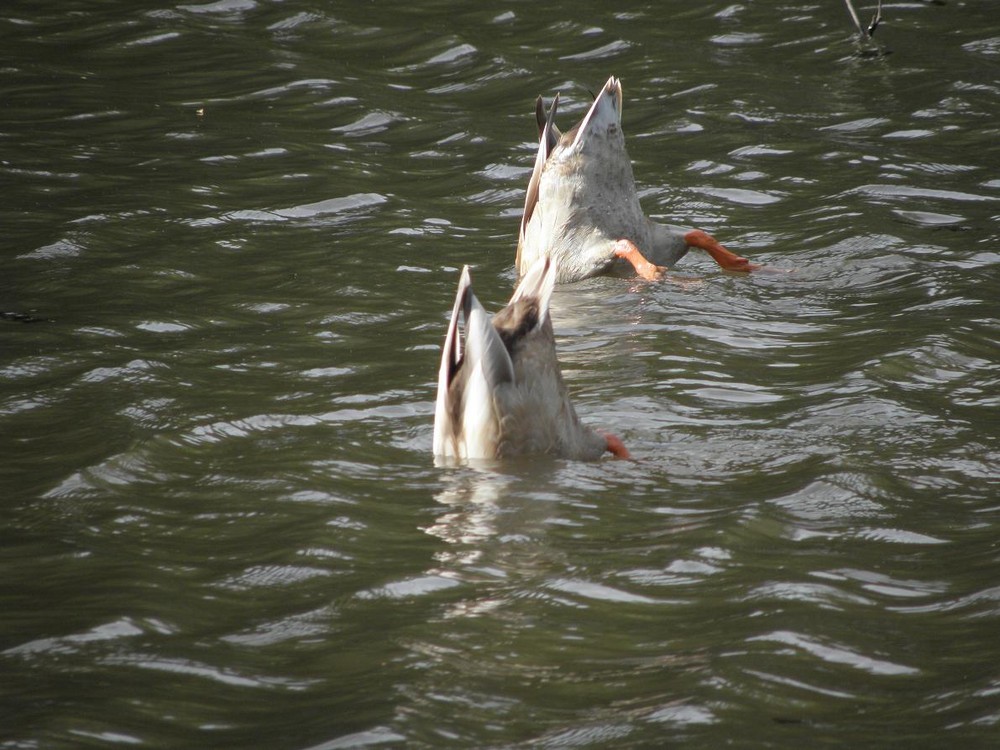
pixel 502 393
pixel 582 207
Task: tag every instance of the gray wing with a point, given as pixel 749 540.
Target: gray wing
pixel 483 345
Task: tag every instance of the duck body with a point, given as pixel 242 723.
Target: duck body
pixel 582 207
pixel 502 394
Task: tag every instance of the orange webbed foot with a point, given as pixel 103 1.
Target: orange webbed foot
pixel 626 250
pixel 616 447
pixel 726 259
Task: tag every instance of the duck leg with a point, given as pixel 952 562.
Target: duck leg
pixel 626 250
pixel 616 447
pixel 727 259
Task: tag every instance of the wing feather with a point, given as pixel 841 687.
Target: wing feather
pixel 484 347
pixel 451 357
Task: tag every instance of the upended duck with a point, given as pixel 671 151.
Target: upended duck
pixel 502 394
pixel 582 208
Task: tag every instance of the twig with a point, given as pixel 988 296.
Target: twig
pixel 864 33
pixel 876 20
pixel 854 17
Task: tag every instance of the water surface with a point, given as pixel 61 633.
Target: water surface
pixel 231 238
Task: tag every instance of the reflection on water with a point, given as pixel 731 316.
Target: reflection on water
pixel 472 515
pixel 231 232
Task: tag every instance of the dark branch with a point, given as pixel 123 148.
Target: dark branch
pixel 876 20
pixel 864 33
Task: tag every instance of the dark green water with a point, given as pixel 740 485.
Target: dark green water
pixel 229 242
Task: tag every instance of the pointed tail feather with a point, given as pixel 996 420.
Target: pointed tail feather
pixel 611 88
pixel 546 142
pixel 545 126
pixel 538 281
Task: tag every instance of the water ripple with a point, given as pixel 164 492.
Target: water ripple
pixel 217 426
pixel 836 654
